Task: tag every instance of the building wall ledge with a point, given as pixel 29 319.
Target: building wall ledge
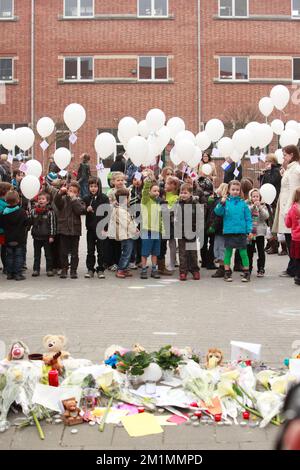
pixel 257 18
pixel 109 17
pixel 252 81
pixel 10 82
pixel 12 19
pixel 114 81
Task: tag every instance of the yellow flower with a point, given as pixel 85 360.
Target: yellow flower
pixel 264 377
pixel 225 389
pixel 280 384
pixel 105 381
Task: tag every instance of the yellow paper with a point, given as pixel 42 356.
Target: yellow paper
pixel 142 424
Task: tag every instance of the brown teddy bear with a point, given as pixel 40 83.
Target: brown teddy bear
pixel 71 415
pixel 54 345
pixel 214 358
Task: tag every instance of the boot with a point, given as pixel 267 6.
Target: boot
pixel 219 273
pixel 284 250
pixel 162 270
pixel 64 274
pixel 273 247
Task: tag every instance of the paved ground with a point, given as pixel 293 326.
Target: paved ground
pixel 96 313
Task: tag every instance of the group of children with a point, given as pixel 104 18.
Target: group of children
pixel 131 223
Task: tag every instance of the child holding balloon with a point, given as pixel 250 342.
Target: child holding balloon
pixel 260 215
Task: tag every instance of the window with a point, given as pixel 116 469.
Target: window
pixel 6 70
pixel 152 8
pixel 234 68
pixel 296 69
pixel 79 8
pixel 233 8
pixel 153 68
pixel 6 9
pixel 296 8
pixel 79 68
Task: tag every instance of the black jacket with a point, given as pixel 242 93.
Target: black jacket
pixel 229 173
pixel 273 177
pixel 14 223
pixel 43 223
pixel 92 219
pixel 214 222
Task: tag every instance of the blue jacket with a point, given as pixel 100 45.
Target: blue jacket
pixel 3 205
pixel 237 216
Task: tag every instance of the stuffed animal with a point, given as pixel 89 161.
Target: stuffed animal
pixel 214 358
pixel 54 345
pixel 17 351
pixel 71 415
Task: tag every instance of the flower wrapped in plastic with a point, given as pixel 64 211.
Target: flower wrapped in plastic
pixel 269 405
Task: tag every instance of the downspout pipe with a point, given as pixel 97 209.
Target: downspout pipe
pixel 32 81
pixel 199 63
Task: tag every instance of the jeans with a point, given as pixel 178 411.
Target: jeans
pixel 14 259
pixel 136 253
pixel 261 260
pixel 93 242
pixel 84 188
pixel 291 269
pixel 38 245
pixel 69 244
pixel 126 251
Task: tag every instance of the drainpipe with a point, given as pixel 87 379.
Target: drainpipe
pixel 32 67
pixel 199 63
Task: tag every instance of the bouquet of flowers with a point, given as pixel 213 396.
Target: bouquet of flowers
pixel 168 358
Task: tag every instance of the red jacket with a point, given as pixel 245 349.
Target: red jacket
pixel 292 221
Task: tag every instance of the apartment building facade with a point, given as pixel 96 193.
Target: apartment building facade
pixel 197 59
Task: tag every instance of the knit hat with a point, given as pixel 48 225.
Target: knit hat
pixel 51 177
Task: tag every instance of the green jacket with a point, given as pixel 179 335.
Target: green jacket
pixel 151 211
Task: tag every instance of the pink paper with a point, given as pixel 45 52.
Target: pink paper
pixel 177 419
pixel 132 410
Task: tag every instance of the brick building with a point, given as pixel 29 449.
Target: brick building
pixel 196 59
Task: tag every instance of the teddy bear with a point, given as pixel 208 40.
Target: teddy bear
pixel 214 358
pixel 17 351
pixel 54 355
pixel 71 415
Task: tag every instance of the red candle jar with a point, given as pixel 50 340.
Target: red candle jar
pixel 141 409
pixel 218 418
pixel 198 414
pixel 53 378
pixel 194 404
pixel 246 415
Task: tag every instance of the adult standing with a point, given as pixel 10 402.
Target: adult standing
pixel 5 169
pixel 229 172
pixel 207 160
pixel 84 173
pixel 119 164
pixel 289 183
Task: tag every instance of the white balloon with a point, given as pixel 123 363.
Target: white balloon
pixel 105 145
pixel 162 138
pixel 206 169
pixel 143 129
pixel 203 141
pixel 152 373
pixel 175 125
pixel 156 119
pixel 138 150
pixel 215 129
pixel 185 135
pixel 185 150
pixel 277 126
pixel 268 193
pixel 266 106
pixel 24 138
pixel 293 125
pixel 34 168
pixel 279 155
pixel 74 116
pixel 174 158
pixel 45 126
pixel 128 127
pixel 62 157
pixel 280 96
pixel 196 158
pixel 225 146
pixel 252 128
pixel 289 137
pixel 236 156
pixel 8 139
pixel 242 140
pixel 264 135
pixel 30 186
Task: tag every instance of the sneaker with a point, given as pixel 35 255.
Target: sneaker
pixel 144 274
pixel 228 276
pixel 101 275
pixel 114 267
pixel 285 274
pixel 127 273
pixel 73 275
pixel 219 273
pixel 121 274
pixel 196 276
pixel 35 273
pixel 182 277
pixel 89 275
pixel 132 266
pixel 20 277
pixel 260 273
pixel 63 274
pixel 155 274
pixel 246 276
pixel 10 277
pixel 50 273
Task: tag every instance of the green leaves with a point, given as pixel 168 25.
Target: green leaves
pixel 134 363
pixel 166 359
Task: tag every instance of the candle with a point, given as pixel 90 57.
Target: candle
pixel 218 418
pixel 246 415
pixel 53 378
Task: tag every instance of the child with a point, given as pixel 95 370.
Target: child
pixel 117 182
pixel 95 199
pixel 17 178
pixel 215 226
pixel 14 221
pixel 4 188
pixel 237 226
pixel 123 228
pixel 260 215
pixel 113 247
pixel 166 172
pixel 172 185
pixel 70 208
pixel 151 226
pixel 292 221
pixel 188 254
pixel 135 199
pixel 43 221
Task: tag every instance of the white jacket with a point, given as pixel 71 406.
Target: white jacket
pixel 121 224
pixel 289 183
